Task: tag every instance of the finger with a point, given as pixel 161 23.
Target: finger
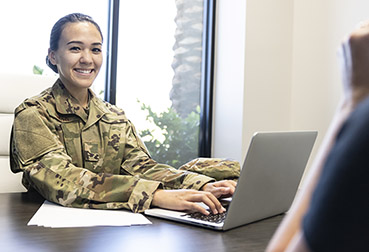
pixel 232 189
pixel 232 186
pixel 221 191
pixel 213 203
pixel 231 183
pixel 193 207
pixel 190 203
pixel 225 183
pixel 210 200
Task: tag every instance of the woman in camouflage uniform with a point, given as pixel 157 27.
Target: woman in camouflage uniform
pixel 79 151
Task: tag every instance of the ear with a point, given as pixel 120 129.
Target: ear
pixel 51 55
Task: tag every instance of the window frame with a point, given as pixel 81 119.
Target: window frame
pixel 112 52
pixel 207 70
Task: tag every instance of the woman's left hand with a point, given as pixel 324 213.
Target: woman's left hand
pixel 220 189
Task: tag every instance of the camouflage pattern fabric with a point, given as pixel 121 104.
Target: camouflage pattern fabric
pixel 217 168
pixel 88 159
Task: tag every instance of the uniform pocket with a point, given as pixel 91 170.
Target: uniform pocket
pixel 32 138
pixel 91 152
pixel 72 141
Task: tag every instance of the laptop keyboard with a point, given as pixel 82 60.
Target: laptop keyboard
pixel 215 218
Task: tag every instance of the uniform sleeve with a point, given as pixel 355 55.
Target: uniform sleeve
pixel 137 161
pixel 38 152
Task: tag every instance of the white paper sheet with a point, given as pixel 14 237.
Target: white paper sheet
pixel 56 216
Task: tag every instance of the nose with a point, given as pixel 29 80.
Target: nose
pixel 86 57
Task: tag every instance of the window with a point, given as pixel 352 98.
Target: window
pixel 160 74
pixel 162 71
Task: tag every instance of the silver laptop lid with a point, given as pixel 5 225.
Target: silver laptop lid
pixel 270 175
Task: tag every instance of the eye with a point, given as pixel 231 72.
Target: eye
pixel 75 49
pixel 96 50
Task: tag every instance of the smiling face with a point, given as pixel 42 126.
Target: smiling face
pixel 79 56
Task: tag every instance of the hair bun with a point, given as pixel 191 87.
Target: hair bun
pixel 51 65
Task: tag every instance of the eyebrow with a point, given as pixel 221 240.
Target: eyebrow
pixel 80 42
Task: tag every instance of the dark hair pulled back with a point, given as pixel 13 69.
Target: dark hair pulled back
pixel 58 28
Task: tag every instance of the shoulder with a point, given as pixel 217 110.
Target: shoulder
pixel 111 112
pixel 108 107
pixel 35 102
pixel 355 128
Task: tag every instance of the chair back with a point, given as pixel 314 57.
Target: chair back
pixel 14 90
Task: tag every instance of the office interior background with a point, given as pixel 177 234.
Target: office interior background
pixel 276 63
pixel 278 67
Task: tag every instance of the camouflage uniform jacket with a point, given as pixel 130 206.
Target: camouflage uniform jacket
pixel 91 159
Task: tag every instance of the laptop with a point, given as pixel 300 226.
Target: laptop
pixel 269 179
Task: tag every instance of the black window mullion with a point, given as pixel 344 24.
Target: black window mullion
pixel 112 52
pixel 207 69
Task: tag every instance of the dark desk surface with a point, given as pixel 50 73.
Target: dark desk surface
pixel 16 209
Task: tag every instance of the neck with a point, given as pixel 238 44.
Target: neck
pixel 81 95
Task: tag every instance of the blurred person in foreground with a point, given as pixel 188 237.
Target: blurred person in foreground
pixel 331 211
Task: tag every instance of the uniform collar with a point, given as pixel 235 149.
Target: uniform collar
pixel 67 104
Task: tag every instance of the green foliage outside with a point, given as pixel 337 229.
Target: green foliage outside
pixel 37 70
pixel 181 136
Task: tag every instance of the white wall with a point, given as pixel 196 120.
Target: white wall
pixel 253 74
pixel 268 67
pixel 316 69
pixel 229 79
pixel 319 27
pixel 291 77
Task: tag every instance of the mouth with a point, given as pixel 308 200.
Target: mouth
pixel 84 71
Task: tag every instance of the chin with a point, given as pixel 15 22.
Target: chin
pixel 84 83
pixel 87 85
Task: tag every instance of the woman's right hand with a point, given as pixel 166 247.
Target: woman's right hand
pixel 186 200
